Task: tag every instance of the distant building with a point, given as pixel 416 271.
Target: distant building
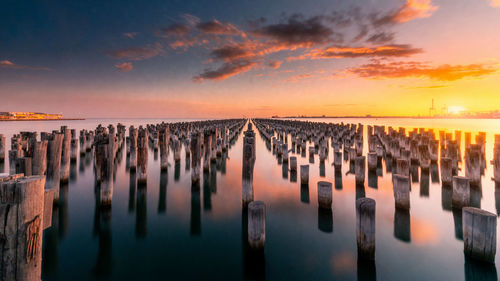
pixel 28 116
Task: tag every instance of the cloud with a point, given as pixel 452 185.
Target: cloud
pixel 299 32
pixel 124 66
pixel 226 70
pixel 356 52
pixel 445 72
pixel 275 63
pixel 137 53
pixel 10 65
pixel 411 9
pixel 230 53
pixel 130 35
pixel 218 28
pixel 299 77
pixel 381 37
pixel 175 29
pixel 495 3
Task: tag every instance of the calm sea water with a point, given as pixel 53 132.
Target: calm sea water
pixel 168 233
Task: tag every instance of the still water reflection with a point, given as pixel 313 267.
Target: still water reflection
pixel 169 230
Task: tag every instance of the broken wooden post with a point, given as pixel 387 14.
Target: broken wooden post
pixel 104 163
pixel 337 160
pixel 401 191
pixel 65 154
pixel 195 147
pixel 257 225
pixel 164 138
pixel 359 169
pixel 480 234
pixel 461 192
pixel 23 166
pixel 133 148
pixel 142 157
pixel 325 194
pixel 365 228
pixel 446 171
pixel 304 174
pixel 372 161
pixel 24 213
pixel 2 148
pixel 73 146
pixel 248 166
pixel 54 147
pixel 207 138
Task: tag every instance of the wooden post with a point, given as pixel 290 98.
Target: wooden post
pixel 257 225
pixel 480 234
pixel 133 148
pixel 104 168
pixel 461 192
pixel 22 215
pixel 248 166
pixel 74 146
pixel 195 157
pixel 401 191
pixel 304 174
pixel 337 160
pixel 372 161
pixel 164 142
pixel 365 228
pixel 207 146
pixel 2 148
pixel 359 169
pixel 65 154
pixel 54 152
pixel 142 157
pixel 325 194
pixel 446 171
pixel 293 164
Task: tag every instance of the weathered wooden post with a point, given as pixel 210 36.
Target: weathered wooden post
pixel 14 154
pixel 164 138
pixel 473 165
pixel 446 171
pixel 142 157
pixel 401 191
pixel 247 167
pixel 337 160
pixel 73 146
pixel 359 169
pixel 25 211
pixel 2 148
pixel 23 166
pixel 65 154
pixel 39 160
pixel 365 228
pixel 133 148
pixel 402 167
pixel 325 194
pixel 461 192
pixel 104 162
pixel 480 234
pixel 207 146
pixel 195 157
pixel 372 161
pixel 83 142
pixel 304 174
pixel 257 225
pixel 54 147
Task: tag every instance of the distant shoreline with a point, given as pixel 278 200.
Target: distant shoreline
pixel 63 119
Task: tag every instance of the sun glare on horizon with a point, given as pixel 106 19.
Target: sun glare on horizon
pixel 456 109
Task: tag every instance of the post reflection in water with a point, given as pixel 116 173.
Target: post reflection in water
pixel 366 270
pixel 207 193
pixel 325 220
pixel 402 229
pixel 142 212
pixel 195 225
pixel 132 191
pixel 254 261
pixel 104 261
pixel 424 184
pixel 162 197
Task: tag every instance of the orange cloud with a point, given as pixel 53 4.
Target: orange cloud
pixel 275 63
pixel 299 77
pixel 445 72
pixel 356 52
pixel 10 65
pixel 124 67
pixel 412 9
pixel 225 71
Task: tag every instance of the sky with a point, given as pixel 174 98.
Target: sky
pixel 249 58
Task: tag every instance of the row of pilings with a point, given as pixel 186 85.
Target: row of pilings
pixel 404 154
pixel 40 167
